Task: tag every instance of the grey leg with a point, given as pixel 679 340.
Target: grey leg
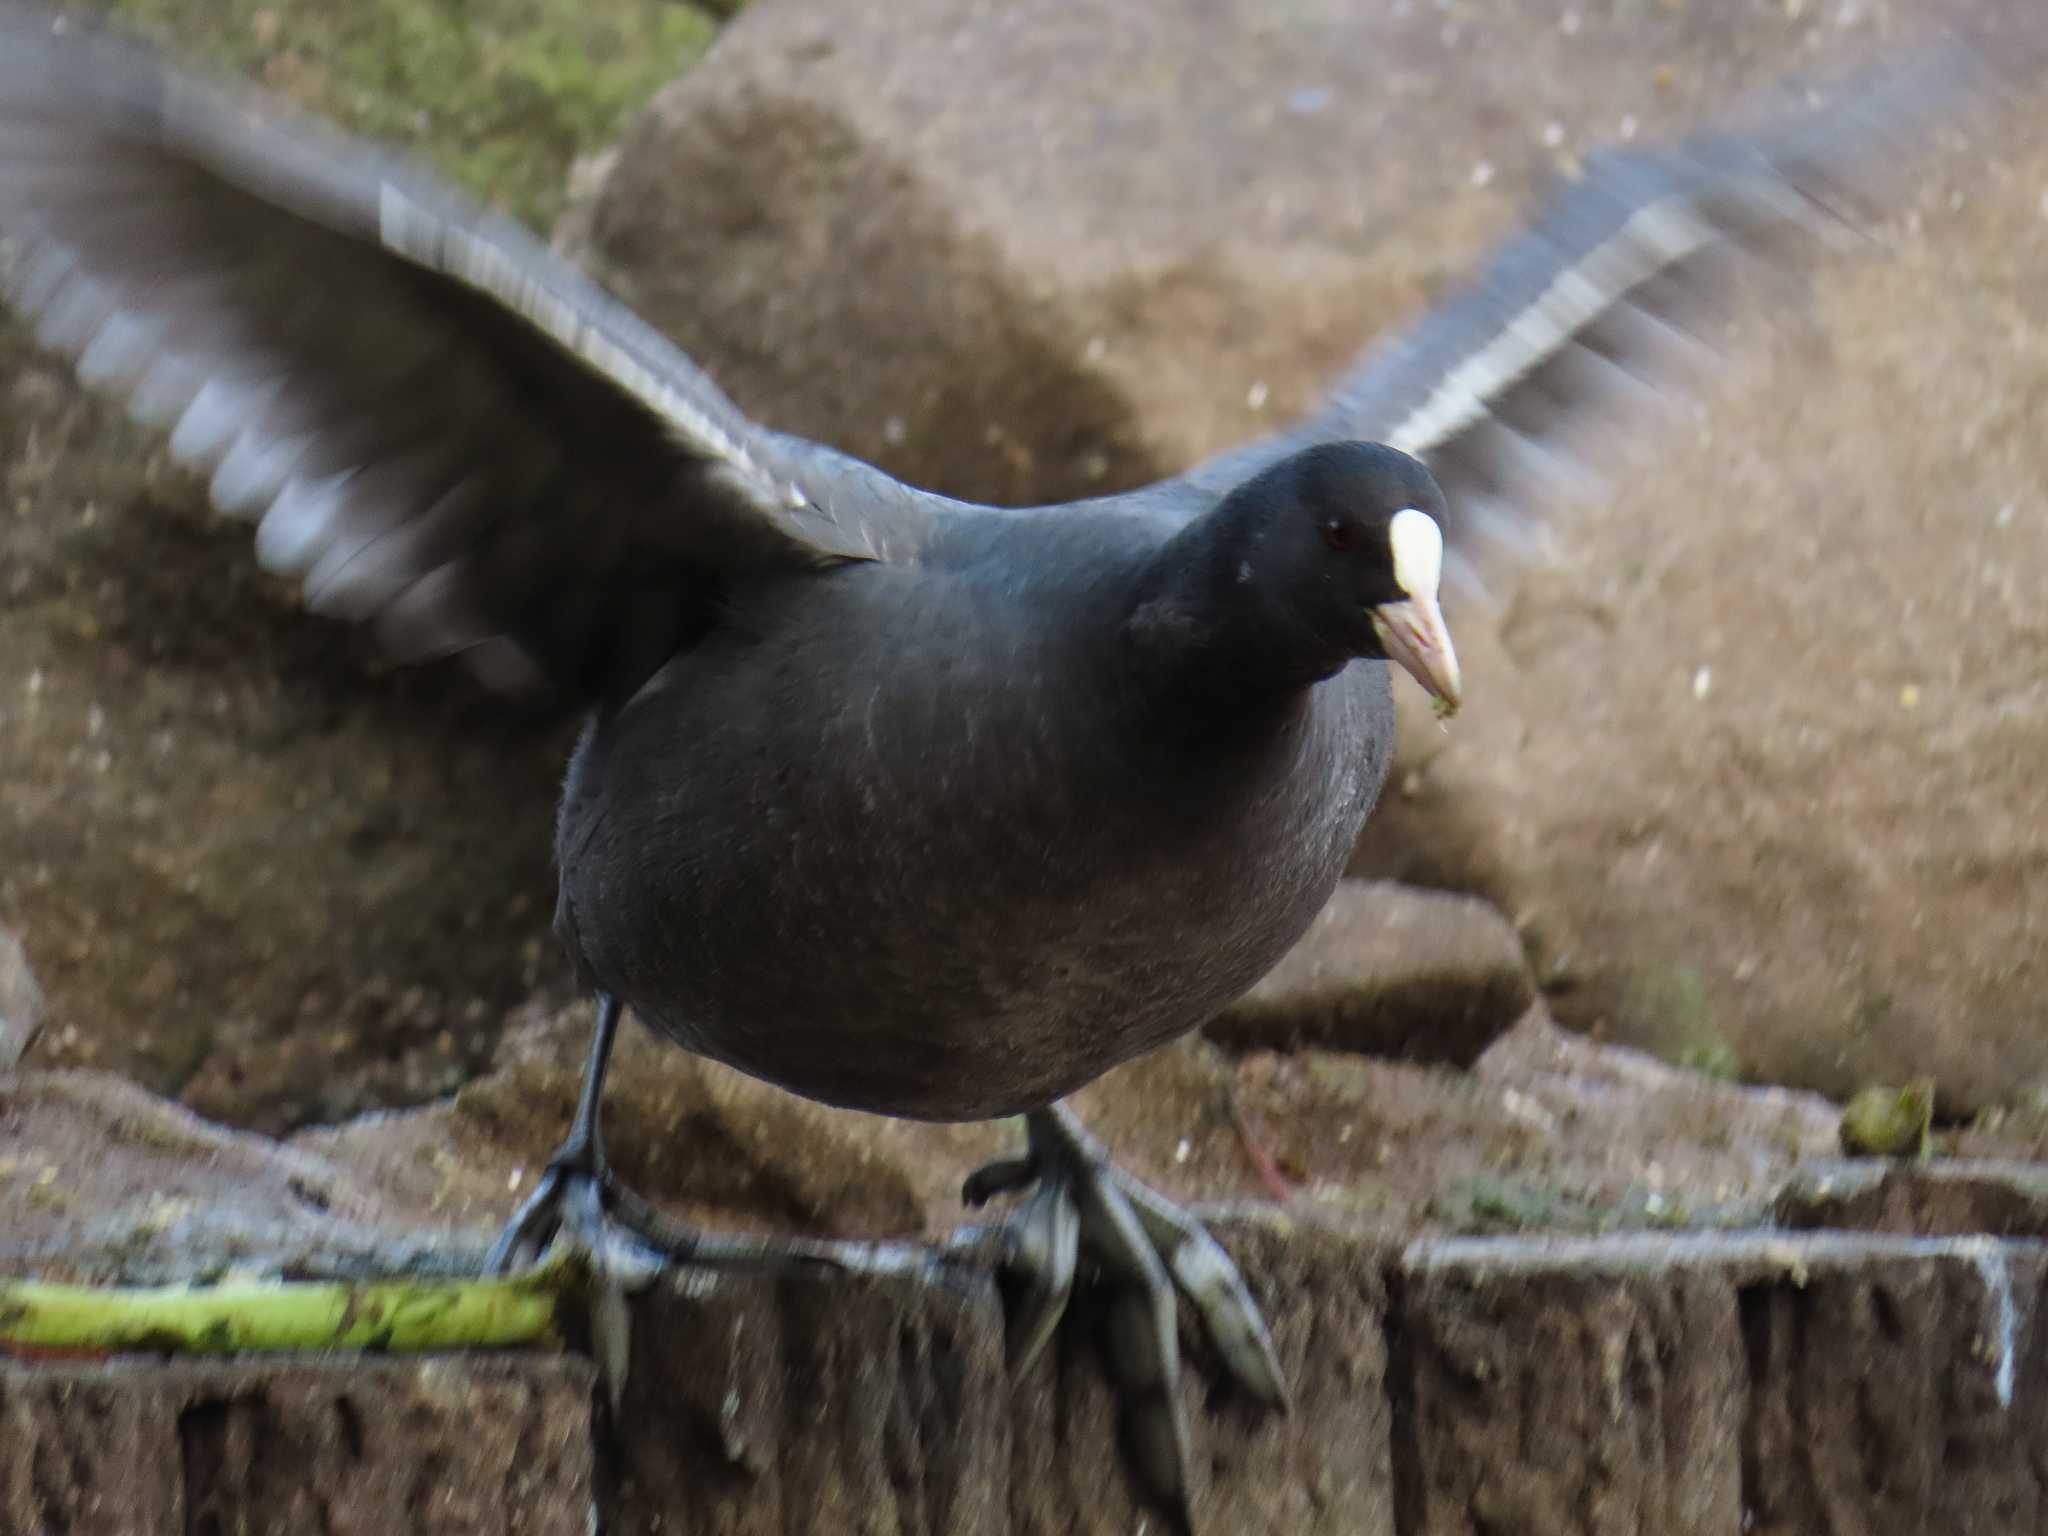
pixel 579 1198
pixel 570 1193
pixel 1147 1249
pixel 624 1240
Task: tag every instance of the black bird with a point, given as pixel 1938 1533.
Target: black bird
pixel 924 808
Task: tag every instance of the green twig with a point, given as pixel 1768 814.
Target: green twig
pixel 270 1315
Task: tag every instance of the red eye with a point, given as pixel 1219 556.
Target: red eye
pixel 1339 534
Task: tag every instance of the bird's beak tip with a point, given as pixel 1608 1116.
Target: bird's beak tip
pixel 1413 635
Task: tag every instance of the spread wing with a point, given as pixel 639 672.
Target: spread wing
pixel 1592 312
pixel 438 426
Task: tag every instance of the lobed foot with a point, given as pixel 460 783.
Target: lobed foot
pixel 1147 1249
pixel 579 1205
pixel 625 1244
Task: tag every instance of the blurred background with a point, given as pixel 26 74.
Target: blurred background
pixel 1750 767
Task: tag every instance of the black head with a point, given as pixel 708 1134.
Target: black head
pixel 1345 539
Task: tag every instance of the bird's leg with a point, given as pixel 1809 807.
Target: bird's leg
pixel 579 1198
pixel 571 1193
pixel 623 1239
pixel 1146 1248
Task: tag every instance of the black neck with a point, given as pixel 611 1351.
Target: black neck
pixel 1205 630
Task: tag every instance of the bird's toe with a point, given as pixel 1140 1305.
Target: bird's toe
pixel 533 1227
pixel 1205 1274
pixel 1147 1251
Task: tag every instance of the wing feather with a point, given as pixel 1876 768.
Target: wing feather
pixel 440 427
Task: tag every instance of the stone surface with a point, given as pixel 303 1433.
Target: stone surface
pixel 1325 1467
pixel 2006 1198
pixel 771 1406
pixel 1393 971
pixel 1711 1383
pixel 255 1448
pixel 1722 1384
pixel 1548 1131
pixel 710 1144
pixel 1905 1395
pixel 1652 1380
pixel 758 1405
pixel 251 868
pixel 1691 1135
pixel 1558 1393
pixel 90 1163
pixel 21 1000
pixel 1014 250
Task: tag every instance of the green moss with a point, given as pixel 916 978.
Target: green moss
pixel 1492 1204
pixel 1670 1012
pixel 500 94
pixel 1484 1204
pixel 1884 1121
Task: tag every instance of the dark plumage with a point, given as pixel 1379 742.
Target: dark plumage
pixel 1100 802
pixel 925 808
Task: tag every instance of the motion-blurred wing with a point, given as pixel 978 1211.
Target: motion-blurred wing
pixel 1590 314
pixel 438 426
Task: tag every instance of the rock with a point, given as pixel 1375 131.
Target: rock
pixel 472 1446
pixel 1017 250
pixel 1704 1383
pixel 1750 1383
pixel 99 1177
pixel 763 1406
pixel 1730 859
pixel 21 1001
pixel 252 870
pixel 1683 1132
pixel 1548 1130
pixel 1551 1392
pixel 1951 1199
pixel 708 1143
pixel 771 1405
pixel 1391 971
pixel 1894 1395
